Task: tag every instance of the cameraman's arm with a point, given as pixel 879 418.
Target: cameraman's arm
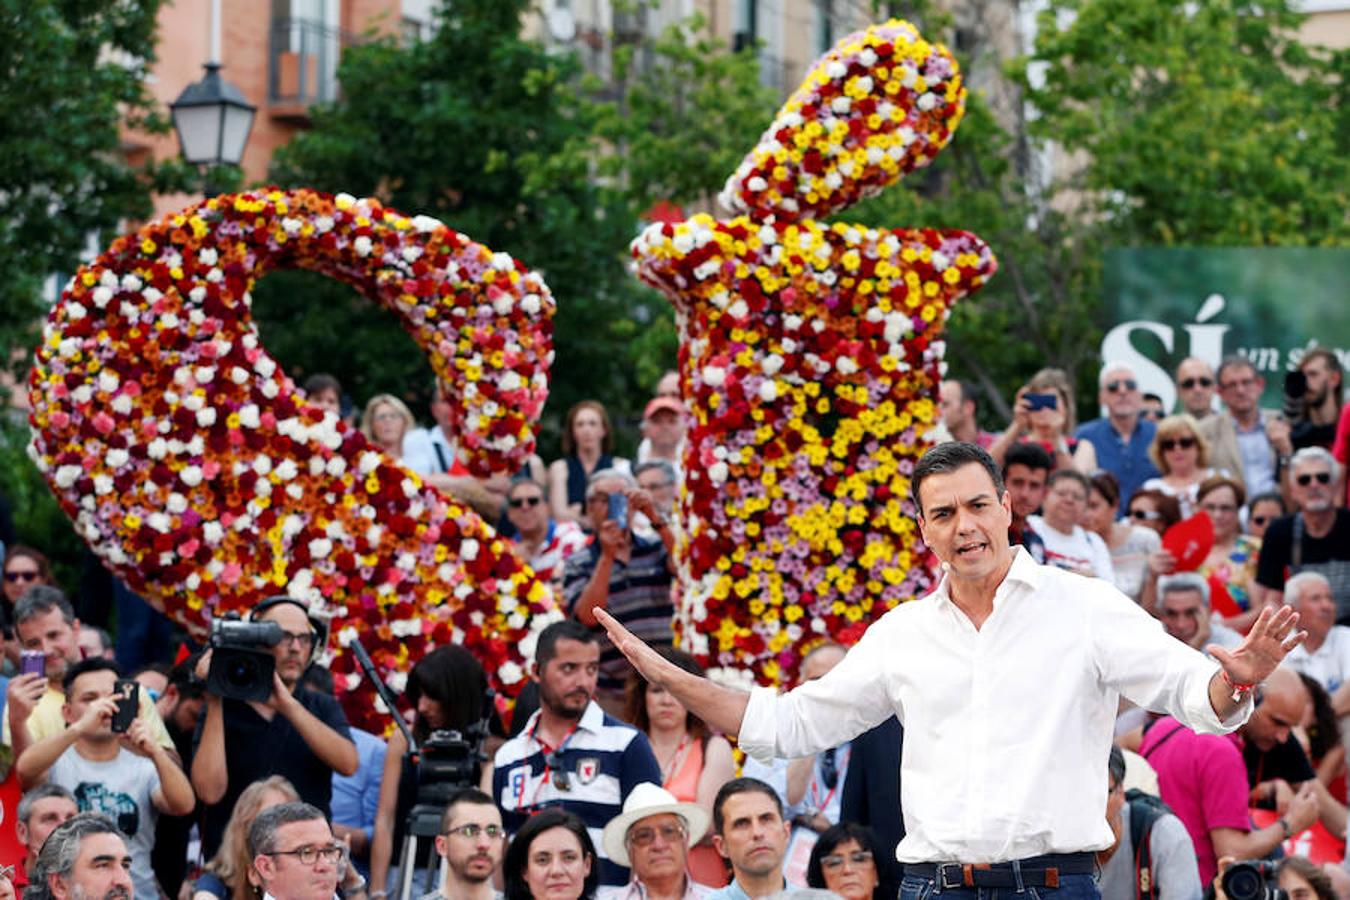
pixel 336 750
pixel 209 776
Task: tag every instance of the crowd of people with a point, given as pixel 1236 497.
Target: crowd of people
pixel 602 784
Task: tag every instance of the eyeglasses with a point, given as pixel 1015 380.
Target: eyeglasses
pixel 1167 445
pixel 1145 515
pixel 561 780
pixel 1122 384
pixel 1259 520
pixel 1191 383
pixel 857 857
pixel 518 502
pixel 1307 478
pixel 642 837
pixel 304 639
pixel 310 855
pixel 13 577
pixel 473 830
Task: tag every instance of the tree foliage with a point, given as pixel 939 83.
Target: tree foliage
pixel 72 76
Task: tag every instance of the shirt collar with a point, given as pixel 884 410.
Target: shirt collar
pixel 593 719
pixel 1024 570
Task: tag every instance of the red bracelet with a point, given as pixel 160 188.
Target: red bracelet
pixel 1238 689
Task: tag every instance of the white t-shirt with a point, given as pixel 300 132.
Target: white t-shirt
pixel 1079 550
pixel 121 789
pixel 1329 666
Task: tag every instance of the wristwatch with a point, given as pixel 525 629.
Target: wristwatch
pixel 1284 823
pixel 358 888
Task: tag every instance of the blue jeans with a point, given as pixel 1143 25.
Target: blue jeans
pixel 1071 887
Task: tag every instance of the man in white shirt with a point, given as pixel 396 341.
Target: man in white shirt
pixel 1007 679
pixel 1325 655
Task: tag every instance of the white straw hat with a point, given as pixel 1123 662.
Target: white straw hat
pixel 645 800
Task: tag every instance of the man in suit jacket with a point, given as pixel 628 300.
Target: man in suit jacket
pixel 1249 442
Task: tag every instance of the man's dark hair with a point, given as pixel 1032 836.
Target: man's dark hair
pixel 1033 456
pixel 948 457
pixel 184 677
pixel 84 667
pixel 41 599
pixel 41 792
pixel 743 785
pixel 1333 364
pixel 568 629
pixel 320 382
pixel 62 848
pixel 262 834
pixel 466 796
pixel 969 393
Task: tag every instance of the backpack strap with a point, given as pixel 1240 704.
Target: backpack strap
pixel 1143 815
pixel 1162 740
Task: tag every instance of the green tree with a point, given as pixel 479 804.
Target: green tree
pixel 72 78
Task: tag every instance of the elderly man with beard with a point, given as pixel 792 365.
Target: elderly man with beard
pixel 1316 538
pixel 298 733
pixel 84 858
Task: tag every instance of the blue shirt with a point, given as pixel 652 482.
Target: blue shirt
pixel 1127 460
pixel 603 758
pixel 357 796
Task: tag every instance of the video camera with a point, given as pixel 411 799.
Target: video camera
pixel 448 761
pixel 1252 880
pixel 242 664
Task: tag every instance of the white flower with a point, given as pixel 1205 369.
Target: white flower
pixel 771 364
pixel 738 309
pixel 116 458
pixel 757 184
pixel 176 504
pixel 714 376
pixel 510 672
pixel 103 484
pixel 836 70
pixel 768 391
pixel 208 256
pixel 319 548
pixel 249 415
pixel 927 102
pixel 206 417
pixel 362 245
pixel 531 304
pixel 426 224
pixel 101 296
pixel 191 476
pixel 718 472
pixel 468 550
pixel 846 365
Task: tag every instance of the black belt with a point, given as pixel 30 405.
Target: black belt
pixel 1036 871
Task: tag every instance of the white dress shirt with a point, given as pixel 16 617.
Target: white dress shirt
pixel 1007 728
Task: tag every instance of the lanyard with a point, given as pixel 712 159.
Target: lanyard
pixel 815 784
pixel 548 752
pixel 669 772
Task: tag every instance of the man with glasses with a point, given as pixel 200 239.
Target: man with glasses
pixel 1249 442
pixel 1122 437
pixel 652 836
pixel 1316 538
pixel 472 841
pixel 294 853
pixel 1195 388
pixel 570 754
pixel 298 733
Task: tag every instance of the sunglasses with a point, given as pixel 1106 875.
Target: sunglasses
pixel 1122 384
pixel 1145 515
pixel 518 502
pixel 643 837
pixel 1259 520
pixel 1169 444
pixel 1191 383
pixel 857 857
pixel 14 577
pixel 1307 478
pixel 561 779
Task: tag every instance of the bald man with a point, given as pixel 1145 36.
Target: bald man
pixel 1195 387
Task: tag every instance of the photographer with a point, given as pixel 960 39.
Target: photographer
pixel 448 691
pixel 126 776
pixel 296 733
pixel 1312 399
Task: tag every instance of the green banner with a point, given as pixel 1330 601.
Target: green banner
pixel 1269 304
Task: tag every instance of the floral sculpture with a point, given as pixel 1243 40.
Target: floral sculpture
pixel 196 471
pixel 809 354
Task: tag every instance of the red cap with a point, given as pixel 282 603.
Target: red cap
pixel 660 403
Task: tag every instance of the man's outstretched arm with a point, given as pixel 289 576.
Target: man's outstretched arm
pixel 721 707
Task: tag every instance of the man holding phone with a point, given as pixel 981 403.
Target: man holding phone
pixel 49 634
pixel 123 774
pixel 621 572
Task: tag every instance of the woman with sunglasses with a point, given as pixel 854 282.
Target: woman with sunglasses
pixel 1182 456
pixel 24 567
pixel 1262 510
pixel 843 862
pixel 447 691
pixel 1232 559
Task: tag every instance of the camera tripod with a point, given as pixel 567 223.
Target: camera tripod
pixel 424 823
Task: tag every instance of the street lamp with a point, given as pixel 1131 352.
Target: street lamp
pixel 213 120
pixel 211 116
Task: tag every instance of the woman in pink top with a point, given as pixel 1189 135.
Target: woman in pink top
pixel 694 762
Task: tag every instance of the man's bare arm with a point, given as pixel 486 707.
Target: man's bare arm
pixel 721 707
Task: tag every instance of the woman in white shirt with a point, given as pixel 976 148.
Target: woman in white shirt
pixel 1067 544
pixel 1182 455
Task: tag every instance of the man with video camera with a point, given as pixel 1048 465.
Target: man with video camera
pixel 259 721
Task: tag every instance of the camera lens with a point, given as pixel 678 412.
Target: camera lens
pixel 242 672
pixel 1244 881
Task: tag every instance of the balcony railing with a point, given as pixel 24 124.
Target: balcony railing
pixel 303 65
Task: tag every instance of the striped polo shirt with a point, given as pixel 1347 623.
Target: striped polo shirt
pixel 604 759
pixel 639 597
